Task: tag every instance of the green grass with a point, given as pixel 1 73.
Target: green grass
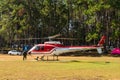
pixel 65 69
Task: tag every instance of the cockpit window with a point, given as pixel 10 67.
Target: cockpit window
pixel 37 48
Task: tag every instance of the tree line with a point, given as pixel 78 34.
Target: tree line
pixel 85 20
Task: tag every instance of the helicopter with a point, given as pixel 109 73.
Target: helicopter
pixel 56 48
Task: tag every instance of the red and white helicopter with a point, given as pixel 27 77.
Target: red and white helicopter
pixel 56 48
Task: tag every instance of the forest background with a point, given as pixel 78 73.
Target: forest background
pixel 83 22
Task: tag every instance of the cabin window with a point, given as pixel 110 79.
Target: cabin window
pixel 42 47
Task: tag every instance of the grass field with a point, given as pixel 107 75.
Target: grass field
pixel 67 68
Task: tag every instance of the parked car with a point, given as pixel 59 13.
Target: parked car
pixel 14 52
pixel 115 51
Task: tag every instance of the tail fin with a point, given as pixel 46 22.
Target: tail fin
pixel 102 40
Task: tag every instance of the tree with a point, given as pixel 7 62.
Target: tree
pixel 86 20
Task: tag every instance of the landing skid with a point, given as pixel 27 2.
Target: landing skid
pixel 42 58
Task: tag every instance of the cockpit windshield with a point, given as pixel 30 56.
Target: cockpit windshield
pixel 39 48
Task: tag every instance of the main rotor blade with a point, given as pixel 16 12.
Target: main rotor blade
pixel 54 36
pixel 67 38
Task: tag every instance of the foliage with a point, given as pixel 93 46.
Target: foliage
pixel 86 20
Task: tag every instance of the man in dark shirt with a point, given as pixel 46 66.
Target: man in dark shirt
pixel 25 49
pixel 24 55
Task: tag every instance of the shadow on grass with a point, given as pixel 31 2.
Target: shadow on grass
pixel 92 62
pixel 91 54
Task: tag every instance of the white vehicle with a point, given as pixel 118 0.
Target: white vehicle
pixel 14 52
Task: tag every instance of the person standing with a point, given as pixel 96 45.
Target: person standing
pixel 25 49
pixel 24 55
